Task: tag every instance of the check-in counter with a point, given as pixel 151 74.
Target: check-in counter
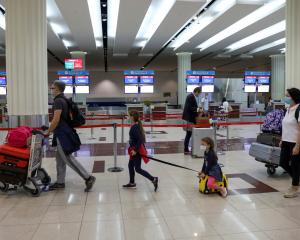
pixel 135 107
pixel 236 108
pixel 159 111
pixel 278 105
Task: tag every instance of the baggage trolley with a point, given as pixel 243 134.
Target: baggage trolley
pixel 22 167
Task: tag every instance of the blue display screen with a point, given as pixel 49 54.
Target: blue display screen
pixel 2 81
pixel 66 79
pixel 82 80
pixel 250 80
pixel 263 80
pixel 131 79
pixel 208 79
pixel 193 79
pixel 147 79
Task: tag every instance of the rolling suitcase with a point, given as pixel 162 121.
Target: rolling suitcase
pixel 266 154
pixel 203 184
pixel 270 139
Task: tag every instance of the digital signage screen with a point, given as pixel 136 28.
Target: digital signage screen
pixel 190 88
pixel 250 88
pixel 68 90
pixel 208 79
pixel 82 80
pixel 147 89
pixel 146 79
pixel 263 88
pixel 2 90
pixel 82 89
pixel 250 80
pixel 131 89
pixel 74 63
pixel 66 79
pixel 263 80
pixel 208 88
pixel 2 81
pixel 131 79
pixel 193 79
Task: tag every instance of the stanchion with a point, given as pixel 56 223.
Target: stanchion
pixel 221 152
pixel 92 129
pixel 151 119
pixel 227 137
pixel 122 132
pixel 115 168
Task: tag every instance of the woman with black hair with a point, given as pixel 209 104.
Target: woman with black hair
pixel 290 141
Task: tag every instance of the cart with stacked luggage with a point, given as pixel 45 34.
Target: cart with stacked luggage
pixel 21 167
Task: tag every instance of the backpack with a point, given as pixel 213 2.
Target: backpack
pixel 76 118
pixel 19 137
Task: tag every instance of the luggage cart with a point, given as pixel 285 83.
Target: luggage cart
pixel 22 167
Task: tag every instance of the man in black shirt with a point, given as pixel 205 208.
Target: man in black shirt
pixel 190 112
pixel 66 139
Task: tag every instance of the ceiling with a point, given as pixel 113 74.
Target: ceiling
pixel 122 52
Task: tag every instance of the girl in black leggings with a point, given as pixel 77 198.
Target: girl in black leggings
pixel 136 142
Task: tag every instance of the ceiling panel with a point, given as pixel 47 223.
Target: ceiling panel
pixel 77 17
pixel 176 18
pixel 131 15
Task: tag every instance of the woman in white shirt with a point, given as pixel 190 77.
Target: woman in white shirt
pixel 290 142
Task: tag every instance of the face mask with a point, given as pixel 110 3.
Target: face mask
pixel 202 147
pixel 288 100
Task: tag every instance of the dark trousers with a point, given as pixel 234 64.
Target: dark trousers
pixel 187 140
pixel 134 165
pixel 290 162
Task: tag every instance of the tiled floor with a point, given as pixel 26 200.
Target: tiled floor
pixel 176 212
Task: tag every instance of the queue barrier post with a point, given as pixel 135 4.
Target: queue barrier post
pixel 115 168
pixel 122 132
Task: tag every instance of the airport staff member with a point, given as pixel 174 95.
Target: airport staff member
pixel 205 104
pixel 190 112
pixel 66 140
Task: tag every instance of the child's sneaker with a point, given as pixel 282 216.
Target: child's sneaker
pixel 223 192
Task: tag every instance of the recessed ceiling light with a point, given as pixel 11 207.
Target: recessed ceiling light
pixel 112 16
pixel 156 13
pixel 103 5
pixel 270 31
pixel 95 15
pixel 262 12
pixel 216 10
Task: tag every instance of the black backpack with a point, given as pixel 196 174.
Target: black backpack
pixel 76 118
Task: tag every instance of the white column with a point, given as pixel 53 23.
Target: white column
pixel 292 44
pixel 278 76
pixel 81 55
pixel 184 64
pixel 26 61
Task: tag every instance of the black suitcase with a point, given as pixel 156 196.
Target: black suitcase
pixel 269 139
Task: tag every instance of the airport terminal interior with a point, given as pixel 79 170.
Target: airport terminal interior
pixel 151 57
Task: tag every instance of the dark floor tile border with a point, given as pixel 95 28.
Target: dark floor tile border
pixel 99 167
pixel 259 187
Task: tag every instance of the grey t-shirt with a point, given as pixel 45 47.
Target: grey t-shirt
pixel 60 103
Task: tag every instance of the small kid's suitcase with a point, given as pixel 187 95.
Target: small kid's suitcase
pixel 267 154
pixel 203 184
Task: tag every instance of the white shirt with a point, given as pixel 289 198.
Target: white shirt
pixel 290 128
pixel 225 106
pixel 205 103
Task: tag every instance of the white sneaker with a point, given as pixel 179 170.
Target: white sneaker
pixel 292 192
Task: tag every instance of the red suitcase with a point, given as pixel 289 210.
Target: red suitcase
pixel 14 157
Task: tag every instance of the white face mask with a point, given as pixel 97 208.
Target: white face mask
pixel 202 147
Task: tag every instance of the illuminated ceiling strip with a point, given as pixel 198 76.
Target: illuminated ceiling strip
pixel 251 18
pixel 216 10
pixel 270 31
pixel 156 13
pixel 95 15
pixel 113 12
pixel 268 46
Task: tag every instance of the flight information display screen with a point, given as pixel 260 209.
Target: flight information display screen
pixel 131 79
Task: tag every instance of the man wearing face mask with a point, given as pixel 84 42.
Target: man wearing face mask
pixel 290 142
pixel 66 140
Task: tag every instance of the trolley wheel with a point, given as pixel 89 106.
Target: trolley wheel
pixel 36 191
pixel 4 186
pixel 44 176
pixel 206 191
pixel 271 170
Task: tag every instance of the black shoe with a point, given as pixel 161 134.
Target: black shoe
pixel 56 186
pixel 155 183
pixel 89 183
pixel 130 185
pixel 187 152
